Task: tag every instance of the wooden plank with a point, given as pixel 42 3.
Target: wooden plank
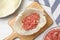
pixel 32 37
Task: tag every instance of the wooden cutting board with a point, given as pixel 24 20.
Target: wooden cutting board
pixel 31 37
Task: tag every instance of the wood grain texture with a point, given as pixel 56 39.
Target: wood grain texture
pixel 12 36
pixel 32 37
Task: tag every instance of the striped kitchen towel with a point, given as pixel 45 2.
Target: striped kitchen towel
pixel 54 5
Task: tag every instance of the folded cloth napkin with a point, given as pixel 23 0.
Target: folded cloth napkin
pixel 54 5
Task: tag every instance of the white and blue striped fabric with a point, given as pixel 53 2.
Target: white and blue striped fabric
pixel 54 5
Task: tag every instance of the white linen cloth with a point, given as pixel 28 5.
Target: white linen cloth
pixel 54 6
